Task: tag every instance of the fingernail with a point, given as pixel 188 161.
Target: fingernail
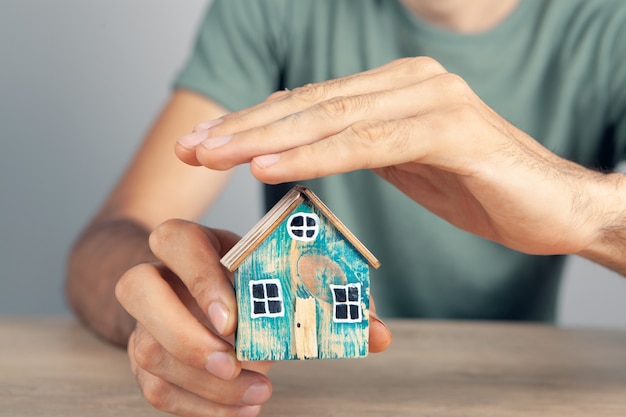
pixel 221 364
pixel 207 125
pixel 217 141
pixel 249 411
pixel 218 313
pixel 265 161
pixel 192 140
pixel 257 393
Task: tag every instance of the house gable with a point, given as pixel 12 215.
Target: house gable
pixel 276 215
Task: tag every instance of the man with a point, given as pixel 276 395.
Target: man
pixel 491 126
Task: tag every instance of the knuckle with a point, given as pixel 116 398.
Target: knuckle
pixel 465 114
pixel 176 234
pixel 156 391
pixel 455 86
pixel 369 133
pixel 336 107
pixel 128 284
pixel 381 140
pixel 200 287
pixel 426 65
pixel 149 354
pixel 164 233
pixel 310 93
pixel 370 137
pixel 277 94
pixel 401 61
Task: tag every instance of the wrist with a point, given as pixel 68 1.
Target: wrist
pixel 99 258
pixel 607 242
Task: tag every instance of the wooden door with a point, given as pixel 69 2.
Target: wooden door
pixel 305 328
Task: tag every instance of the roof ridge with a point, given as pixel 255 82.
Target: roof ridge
pixel 235 256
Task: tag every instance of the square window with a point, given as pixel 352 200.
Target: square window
pixel 340 295
pixel 257 291
pixel 354 312
pixel 266 298
pixel 353 293
pixel 347 303
pixel 259 307
pixel 272 290
pixel 274 307
pixel 341 312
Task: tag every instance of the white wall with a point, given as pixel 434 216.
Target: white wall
pixel 80 81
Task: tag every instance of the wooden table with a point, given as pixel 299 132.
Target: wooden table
pixel 53 367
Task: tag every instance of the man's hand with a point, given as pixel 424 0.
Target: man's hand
pixel 181 350
pixel 185 308
pixel 425 131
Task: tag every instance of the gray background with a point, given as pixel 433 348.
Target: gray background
pixel 80 82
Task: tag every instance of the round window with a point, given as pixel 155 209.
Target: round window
pixel 303 226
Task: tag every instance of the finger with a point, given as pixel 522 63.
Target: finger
pixel 390 76
pixel 249 388
pixel 364 145
pixel 277 94
pixel 207 125
pixel 219 132
pixel 193 254
pixel 186 144
pixel 172 399
pixel 150 299
pixel 429 139
pixel 332 116
pixel 380 336
pixel 130 348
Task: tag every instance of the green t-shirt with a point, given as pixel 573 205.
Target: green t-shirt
pixel 556 69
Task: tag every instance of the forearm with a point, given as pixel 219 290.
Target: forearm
pixel 608 247
pixel 102 254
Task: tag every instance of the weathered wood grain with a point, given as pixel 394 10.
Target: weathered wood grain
pixel 305 270
pixel 305 331
pixel 53 367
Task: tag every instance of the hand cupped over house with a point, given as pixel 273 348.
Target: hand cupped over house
pixel 425 131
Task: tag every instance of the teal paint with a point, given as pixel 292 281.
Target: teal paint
pixel 304 269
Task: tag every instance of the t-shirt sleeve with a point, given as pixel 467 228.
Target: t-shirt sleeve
pixel 236 58
pixel 616 49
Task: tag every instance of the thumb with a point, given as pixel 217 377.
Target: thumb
pixel 380 335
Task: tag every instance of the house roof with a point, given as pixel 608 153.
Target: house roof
pixel 276 215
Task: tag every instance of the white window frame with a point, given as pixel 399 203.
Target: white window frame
pixel 347 303
pixel 304 228
pixel 266 299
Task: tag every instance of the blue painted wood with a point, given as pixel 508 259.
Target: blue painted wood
pixel 305 269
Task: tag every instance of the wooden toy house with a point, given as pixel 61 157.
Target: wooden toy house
pixel 302 284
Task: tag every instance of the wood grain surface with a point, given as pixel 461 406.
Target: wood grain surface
pixel 53 367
